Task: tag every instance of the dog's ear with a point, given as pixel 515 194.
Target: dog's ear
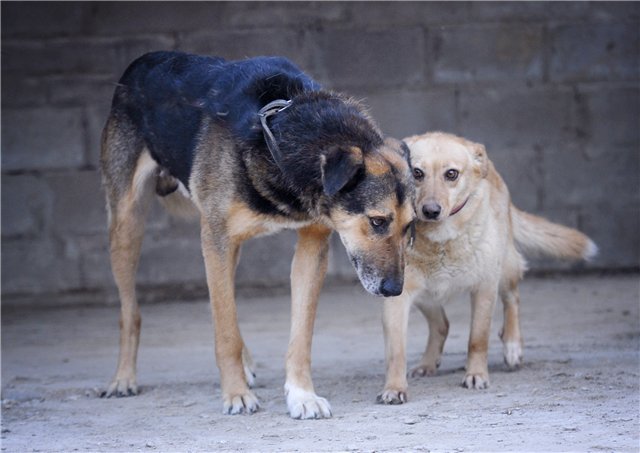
pixel 406 153
pixel 339 165
pixel 480 158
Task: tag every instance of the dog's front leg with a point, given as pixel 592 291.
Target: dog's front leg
pixel 395 319
pixel 483 301
pixel 220 256
pixel 438 331
pixel 307 274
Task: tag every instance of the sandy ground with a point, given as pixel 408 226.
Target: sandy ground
pixel 578 389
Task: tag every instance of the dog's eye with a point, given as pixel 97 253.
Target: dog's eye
pixel 378 222
pixel 418 174
pixel 451 175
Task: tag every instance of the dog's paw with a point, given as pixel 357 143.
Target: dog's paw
pixel 425 369
pixel 391 396
pixel 512 354
pixel 476 381
pixel 121 387
pixel 303 404
pixel 246 403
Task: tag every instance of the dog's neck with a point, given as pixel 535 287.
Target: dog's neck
pixel 313 123
pixel 455 226
pixel 458 208
pixel 272 108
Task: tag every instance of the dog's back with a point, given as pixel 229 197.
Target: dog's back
pixel 166 95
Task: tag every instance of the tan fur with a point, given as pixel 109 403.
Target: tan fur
pixel 220 258
pixel 179 204
pixel 386 254
pixel 376 165
pixel 126 230
pixel 356 154
pixel 394 158
pixel 307 273
pixel 474 250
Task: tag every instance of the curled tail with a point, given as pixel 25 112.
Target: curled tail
pixel 539 237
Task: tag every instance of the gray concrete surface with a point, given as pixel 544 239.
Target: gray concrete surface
pixel 577 391
pixel 552 89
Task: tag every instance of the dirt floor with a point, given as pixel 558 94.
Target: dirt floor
pixel 578 390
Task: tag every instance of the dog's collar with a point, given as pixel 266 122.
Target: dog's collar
pixel 456 210
pixel 265 112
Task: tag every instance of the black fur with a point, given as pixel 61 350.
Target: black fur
pixel 317 124
pixel 338 169
pixel 168 96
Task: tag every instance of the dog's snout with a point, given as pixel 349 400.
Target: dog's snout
pixel 391 287
pixel 431 210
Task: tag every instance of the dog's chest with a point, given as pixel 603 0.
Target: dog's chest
pixel 450 267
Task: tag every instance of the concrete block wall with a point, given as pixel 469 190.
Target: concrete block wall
pixel 552 89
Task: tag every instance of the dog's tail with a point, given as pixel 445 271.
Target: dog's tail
pixel 538 237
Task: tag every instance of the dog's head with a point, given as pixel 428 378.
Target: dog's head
pixel 446 170
pixel 371 208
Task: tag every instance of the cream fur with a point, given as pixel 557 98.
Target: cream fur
pixel 474 250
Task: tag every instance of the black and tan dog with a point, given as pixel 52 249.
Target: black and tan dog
pixel 257 147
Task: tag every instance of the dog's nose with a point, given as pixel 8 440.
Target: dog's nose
pixel 431 210
pixel 391 287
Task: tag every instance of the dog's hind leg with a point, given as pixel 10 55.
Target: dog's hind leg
pixel 308 269
pixel 510 333
pixel 128 208
pixel 438 331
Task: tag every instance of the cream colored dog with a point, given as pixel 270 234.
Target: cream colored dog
pixel 469 238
